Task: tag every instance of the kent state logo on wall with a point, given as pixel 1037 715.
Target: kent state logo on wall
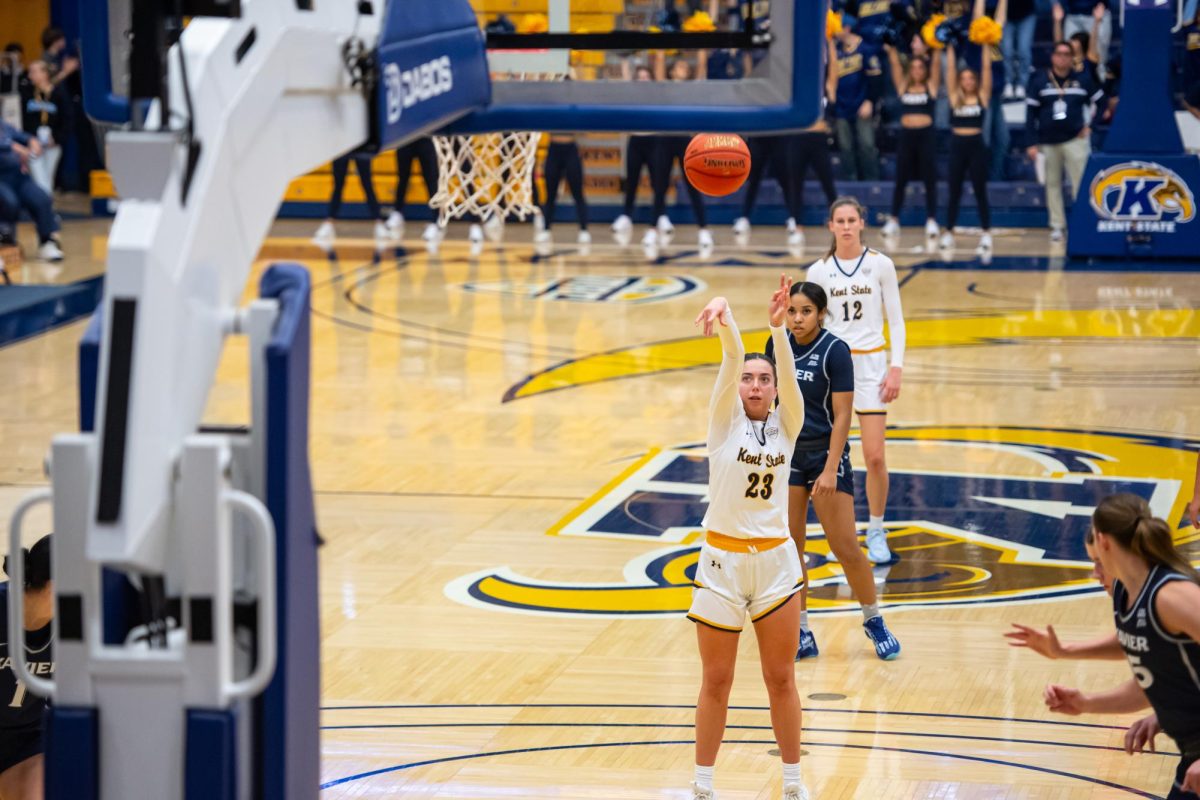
pixel 635 289
pixel 1141 196
pixel 977 515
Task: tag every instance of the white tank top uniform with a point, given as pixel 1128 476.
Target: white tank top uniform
pixel 748 564
pixel 861 294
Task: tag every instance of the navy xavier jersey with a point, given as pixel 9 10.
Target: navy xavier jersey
pixel 20 708
pixel 823 366
pixel 1167 667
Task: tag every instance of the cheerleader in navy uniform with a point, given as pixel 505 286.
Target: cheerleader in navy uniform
pixel 916 152
pixel 821 463
pixel 1156 608
pixel 21 712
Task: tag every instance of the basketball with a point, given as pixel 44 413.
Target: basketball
pixel 717 163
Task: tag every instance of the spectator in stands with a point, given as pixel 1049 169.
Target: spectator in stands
pixel 17 189
pixel 424 151
pixel 640 153
pixel 1056 128
pixel 670 150
pixel 1018 47
pixel 859 84
pixel 12 72
pixel 1082 16
pixel 1085 57
pixel 916 151
pixel 341 167
pixel 45 110
pixel 54 52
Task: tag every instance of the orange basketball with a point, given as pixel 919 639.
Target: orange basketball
pixel 717 163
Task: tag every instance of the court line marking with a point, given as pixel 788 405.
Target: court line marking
pixel 932 753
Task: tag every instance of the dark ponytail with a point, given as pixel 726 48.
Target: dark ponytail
pixel 37 564
pixel 815 292
pixel 1127 519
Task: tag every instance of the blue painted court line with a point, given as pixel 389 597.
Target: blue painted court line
pixel 691 707
pixel 923 734
pixel 935 754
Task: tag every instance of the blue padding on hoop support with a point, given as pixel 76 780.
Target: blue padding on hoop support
pixel 98 99
pixel 72 754
pixel 432 68
pixel 288 740
pixel 210 755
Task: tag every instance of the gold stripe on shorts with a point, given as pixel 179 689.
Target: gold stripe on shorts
pixel 733 544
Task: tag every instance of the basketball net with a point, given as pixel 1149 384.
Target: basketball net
pixel 488 175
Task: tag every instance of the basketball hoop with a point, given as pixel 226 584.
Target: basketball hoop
pixel 489 175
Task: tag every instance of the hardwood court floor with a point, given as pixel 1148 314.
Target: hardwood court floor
pixel 505 455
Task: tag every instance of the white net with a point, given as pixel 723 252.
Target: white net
pixel 488 175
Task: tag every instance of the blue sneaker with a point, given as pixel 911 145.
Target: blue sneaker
pixel 886 646
pixel 808 646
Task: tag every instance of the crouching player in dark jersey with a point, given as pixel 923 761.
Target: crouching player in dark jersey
pixel 20 711
pixel 821 464
pixel 1156 607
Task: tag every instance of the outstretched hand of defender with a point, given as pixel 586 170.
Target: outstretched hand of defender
pixel 1044 643
pixel 780 301
pixel 1140 735
pixel 713 312
pixel 1063 699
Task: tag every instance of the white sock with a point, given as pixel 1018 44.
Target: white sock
pixel 703 777
pixel 791 774
pixel 870 612
pixel 875 522
pixel 804 620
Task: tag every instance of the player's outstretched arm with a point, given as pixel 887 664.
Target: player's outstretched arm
pixel 791 402
pixel 1045 643
pixel 1123 699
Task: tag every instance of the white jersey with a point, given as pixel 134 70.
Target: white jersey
pixel 748 461
pixel 860 292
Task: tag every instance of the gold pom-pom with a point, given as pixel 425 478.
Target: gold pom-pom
pixel 700 22
pixel 533 23
pixel 833 24
pixel 929 31
pixel 985 30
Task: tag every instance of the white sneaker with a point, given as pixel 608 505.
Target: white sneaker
pixel 705 240
pixel 382 231
pixel 947 242
pixel 891 228
pixel 664 226
pixel 542 237
pixel 1057 234
pixel 795 791
pixel 395 224
pixel 985 243
pixel 325 232
pixel 791 224
pixel 931 228
pixel 1020 92
pixel 877 546
pixel 796 239
pixel 584 238
pixel 741 226
pixel 650 239
pixel 1009 93
pixel 702 794
pixel 622 225
pixel 539 221
pixel 432 233
pixel 50 251
pixel 493 228
pixel 475 234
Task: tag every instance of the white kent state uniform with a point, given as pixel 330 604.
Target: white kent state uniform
pixel 860 292
pixel 748 563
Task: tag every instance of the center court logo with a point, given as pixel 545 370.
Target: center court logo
pixel 1010 527
pixel 1141 196
pixel 633 289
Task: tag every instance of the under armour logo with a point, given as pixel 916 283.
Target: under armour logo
pixel 716 564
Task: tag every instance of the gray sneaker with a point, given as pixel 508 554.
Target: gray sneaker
pixel 877 546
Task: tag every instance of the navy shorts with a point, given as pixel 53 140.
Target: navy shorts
pixel 17 745
pixel 807 466
pixel 1177 792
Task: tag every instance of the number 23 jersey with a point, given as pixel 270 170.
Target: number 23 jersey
pixel 860 291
